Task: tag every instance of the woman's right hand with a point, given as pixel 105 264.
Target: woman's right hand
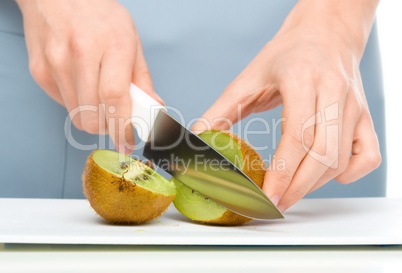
pixel 86 53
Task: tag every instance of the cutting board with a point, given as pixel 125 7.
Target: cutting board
pixel 350 221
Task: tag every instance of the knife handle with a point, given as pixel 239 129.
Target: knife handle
pixel 144 110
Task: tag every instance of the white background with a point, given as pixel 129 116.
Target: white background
pixel 389 17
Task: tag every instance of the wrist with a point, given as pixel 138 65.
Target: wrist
pixel 343 20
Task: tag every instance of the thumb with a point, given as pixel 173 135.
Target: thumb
pixel 141 76
pixel 222 115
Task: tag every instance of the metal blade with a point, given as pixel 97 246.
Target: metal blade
pixel 188 158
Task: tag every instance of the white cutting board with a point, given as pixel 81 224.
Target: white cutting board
pixel 354 221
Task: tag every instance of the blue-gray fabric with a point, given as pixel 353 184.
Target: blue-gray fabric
pixel 194 49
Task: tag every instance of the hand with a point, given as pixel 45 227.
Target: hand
pixel 87 53
pixel 312 67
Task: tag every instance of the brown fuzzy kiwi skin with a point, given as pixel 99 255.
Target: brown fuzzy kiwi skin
pixel 118 200
pixel 254 167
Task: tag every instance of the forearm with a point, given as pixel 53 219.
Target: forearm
pixel 349 19
pixel 22 4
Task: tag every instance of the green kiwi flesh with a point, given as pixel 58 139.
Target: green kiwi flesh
pixel 133 171
pixel 195 205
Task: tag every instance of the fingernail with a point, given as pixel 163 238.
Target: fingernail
pixel 281 208
pixel 275 200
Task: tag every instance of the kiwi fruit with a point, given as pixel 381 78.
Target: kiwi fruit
pixel 198 207
pixel 123 190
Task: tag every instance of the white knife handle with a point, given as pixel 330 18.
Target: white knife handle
pixel 144 111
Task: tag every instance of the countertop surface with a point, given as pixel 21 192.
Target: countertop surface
pixel 352 221
pixel 317 235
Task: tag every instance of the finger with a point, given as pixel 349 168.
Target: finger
pixel 220 116
pixel 232 106
pixel 366 155
pixel 141 75
pixel 86 79
pixel 39 68
pixel 59 67
pixel 42 76
pixel 323 153
pixel 298 135
pixel 331 174
pixel 343 161
pixel 115 78
pixel 351 116
pixel 38 65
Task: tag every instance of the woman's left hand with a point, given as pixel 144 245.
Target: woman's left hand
pixel 312 67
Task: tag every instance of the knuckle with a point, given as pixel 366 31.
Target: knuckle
pixel 373 159
pixel 343 180
pixel 118 44
pixel 327 154
pixel 283 177
pixel 322 148
pixel 77 124
pixel 56 58
pixel 90 125
pixel 298 192
pixel 39 72
pixel 336 80
pixel 112 93
pixel 302 69
pixel 296 137
pixel 319 148
pixel 342 165
pixel 301 140
pixel 340 168
pixel 308 138
pixel 79 45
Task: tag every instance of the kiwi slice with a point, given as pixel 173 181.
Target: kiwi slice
pixel 123 190
pixel 198 207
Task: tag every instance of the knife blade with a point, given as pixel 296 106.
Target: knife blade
pixel 187 157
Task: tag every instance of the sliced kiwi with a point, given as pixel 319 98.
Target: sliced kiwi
pixel 124 190
pixel 198 207
pixel 225 145
pixel 195 205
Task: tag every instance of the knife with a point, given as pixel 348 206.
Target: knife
pixel 185 156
